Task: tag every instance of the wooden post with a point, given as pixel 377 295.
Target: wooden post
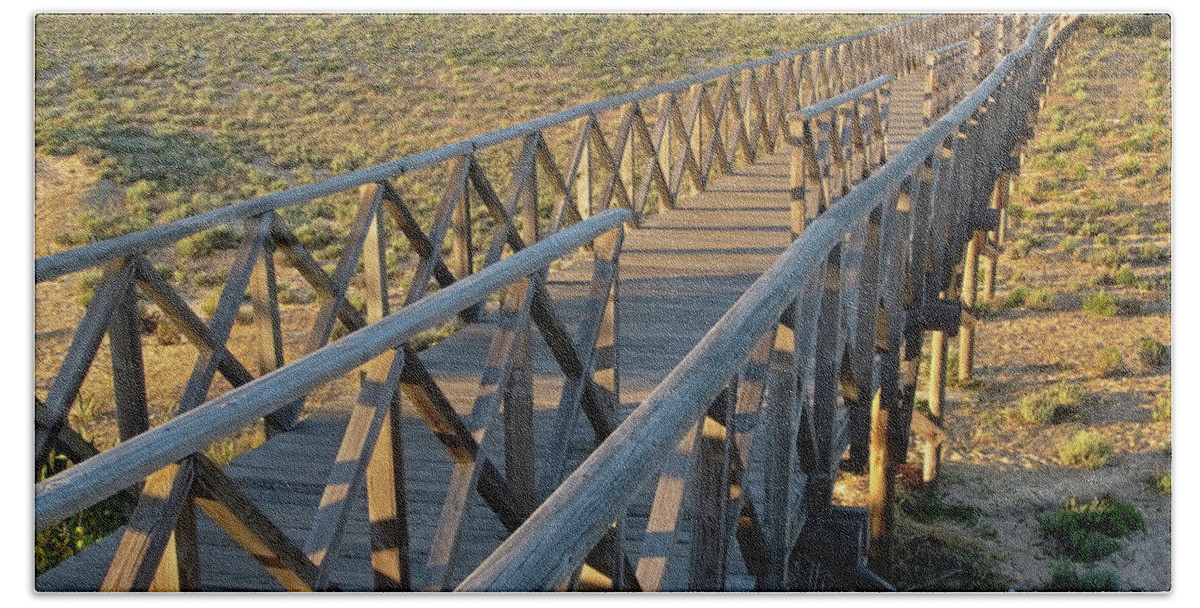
pixel 966 332
pixel 1000 197
pixel 881 486
pixel 387 503
pixel 583 179
pixel 129 380
pixel 937 394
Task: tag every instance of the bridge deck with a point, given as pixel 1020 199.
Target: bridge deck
pixel 679 274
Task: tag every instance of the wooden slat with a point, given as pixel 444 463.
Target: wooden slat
pixel 151 526
pixel 195 391
pixel 108 293
pixel 129 374
pixel 465 477
pixel 367 418
pixel 223 502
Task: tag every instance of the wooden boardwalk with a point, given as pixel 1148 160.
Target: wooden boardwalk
pixel 679 273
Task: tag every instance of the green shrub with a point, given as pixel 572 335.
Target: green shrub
pixel 927 506
pixel 1111 257
pixel 1014 298
pixel 1125 277
pixel 1164 484
pixel 1129 165
pixel 1064 577
pixel 209 304
pixel 1087 448
pixel 1161 227
pixel 1041 299
pixel 1050 406
pixel 1069 245
pixel 938 558
pixel 1105 207
pixel 1020 248
pixel 1101 304
pixel 1162 406
pixel 1149 253
pixel 1151 353
pixel 1088 531
pixel 1104 239
pixel 1108 362
pixel 204 243
pixel 67 538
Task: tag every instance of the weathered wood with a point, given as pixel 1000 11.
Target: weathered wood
pixel 254 532
pixel 129 374
pixel 108 293
pixel 151 527
pixel 196 390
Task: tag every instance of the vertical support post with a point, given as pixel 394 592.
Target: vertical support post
pixel 937 394
pixel 796 183
pixel 387 503
pixel 268 352
pixel 966 332
pixel 999 201
pixel 461 225
pixel 519 461
pixel 129 381
pixel 583 177
pixel 881 488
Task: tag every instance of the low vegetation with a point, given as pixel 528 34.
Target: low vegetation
pixel 1050 406
pixel 1088 448
pixel 1086 531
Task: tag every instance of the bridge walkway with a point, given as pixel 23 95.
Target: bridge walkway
pixel 680 272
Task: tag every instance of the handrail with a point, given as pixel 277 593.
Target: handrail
pixel 584 506
pixel 833 102
pixel 56 265
pixel 129 462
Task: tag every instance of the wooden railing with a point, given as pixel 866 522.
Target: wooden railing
pixel 833 327
pixel 176 474
pixel 703 127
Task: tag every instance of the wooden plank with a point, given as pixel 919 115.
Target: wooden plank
pixel 465 477
pixel 706 572
pixel 129 374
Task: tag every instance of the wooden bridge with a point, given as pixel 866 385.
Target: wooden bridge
pixel 723 301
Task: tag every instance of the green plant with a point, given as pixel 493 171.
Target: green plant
pixel 56 543
pixel 1111 257
pixel 211 299
pixel 927 506
pixel 1088 448
pixel 1101 304
pixel 203 243
pixel 939 558
pixel 1064 577
pixel 167 334
pixel 1108 362
pixel 1161 227
pixel 1125 277
pixel 1069 245
pixel 1151 353
pixel 1164 484
pixel 1050 406
pixel 1015 297
pixel 1088 531
pixel 1040 299
pixel 1162 406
